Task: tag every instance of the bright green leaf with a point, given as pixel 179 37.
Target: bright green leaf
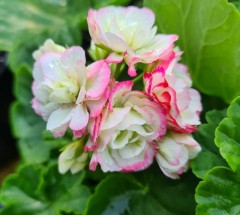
pixel 219 193
pixel 44 193
pixel 210 156
pixel 228 135
pixel 209 32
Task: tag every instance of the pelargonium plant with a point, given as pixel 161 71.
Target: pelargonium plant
pixel 110 96
pixel 117 127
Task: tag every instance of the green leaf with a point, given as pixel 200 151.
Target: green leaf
pixel 209 32
pixel 27 42
pixel 46 192
pixel 228 136
pixel 37 17
pixel 219 193
pixel 29 127
pixel 236 3
pixel 210 156
pixel 104 3
pixel 114 191
pixel 65 192
pixel 22 85
pixel 147 192
pixel 25 123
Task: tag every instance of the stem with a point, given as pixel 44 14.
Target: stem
pixel 138 78
pixel 117 71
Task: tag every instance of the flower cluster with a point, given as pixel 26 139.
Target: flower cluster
pixel 113 125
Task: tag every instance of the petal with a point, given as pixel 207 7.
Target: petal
pixel 132 149
pixel 121 140
pixel 79 117
pixel 72 56
pixel 114 58
pixel 59 120
pixel 98 77
pixel 115 117
pixel 137 163
pixel 48 46
pixel 96 106
pixel 119 89
pixel 132 118
pixel 105 160
pixel 115 43
pixel 50 66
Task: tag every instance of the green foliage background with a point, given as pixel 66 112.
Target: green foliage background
pixel 209 35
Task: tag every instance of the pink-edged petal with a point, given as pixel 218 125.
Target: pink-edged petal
pixel 98 77
pixel 140 162
pixel 96 106
pixel 93 162
pixel 35 106
pixel 119 89
pixel 72 56
pixel 172 158
pixel 79 133
pixel 114 58
pixel 156 117
pixel 59 120
pixel 90 145
pixel 132 70
pixel 93 129
pixel 79 117
pixel 154 79
pixel 105 160
pixel 115 117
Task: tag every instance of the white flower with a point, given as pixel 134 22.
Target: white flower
pixel 129 34
pixel 66 92
pixel 175 151
pixel 122 139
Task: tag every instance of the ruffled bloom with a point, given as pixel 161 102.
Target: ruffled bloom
pixel 124 135
pixel 66 92
pixel 174 152
pixel 48 46
pixel 72 158
pixel 129 34
pixel 169 84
